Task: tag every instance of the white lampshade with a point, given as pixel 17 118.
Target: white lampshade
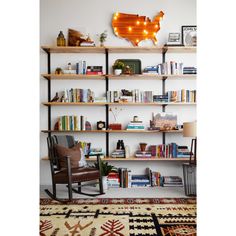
pixel 189 129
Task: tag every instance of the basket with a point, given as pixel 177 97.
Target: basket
pixel 190 179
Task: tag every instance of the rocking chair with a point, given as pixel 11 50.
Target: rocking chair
pixel 70 175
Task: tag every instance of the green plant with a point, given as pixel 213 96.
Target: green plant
pixel 105 167
pixel 118 65
pixel 103 36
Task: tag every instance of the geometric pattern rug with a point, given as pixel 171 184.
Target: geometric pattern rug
pixel 119 217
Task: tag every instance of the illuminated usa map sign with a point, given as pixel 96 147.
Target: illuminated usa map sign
pixel 136 28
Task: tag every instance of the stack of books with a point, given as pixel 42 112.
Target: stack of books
pixel 118 153
pixel 182 95
pixel 94 70
pixel 190 70
pixel 172 181
pixel 150 70
pixel 87 44
pixel 135 125
pixel 140 154
pixel 183 151
pixel 160 98
pixel 140 181
pixel 113 179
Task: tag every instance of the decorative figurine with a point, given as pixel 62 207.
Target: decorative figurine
pixel 127 70
pixel 69 66
pixel 58 71
pixel 61 41
pixel 56 98
pixel 88 125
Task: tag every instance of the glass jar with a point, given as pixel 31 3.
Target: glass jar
pixel 61 41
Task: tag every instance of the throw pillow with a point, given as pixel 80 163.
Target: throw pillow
pixel 74 153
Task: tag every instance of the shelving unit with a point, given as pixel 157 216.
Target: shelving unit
pixel 106 50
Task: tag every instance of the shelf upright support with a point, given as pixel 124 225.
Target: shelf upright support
pixel 49 92
pixel 164 50
pixel 107 106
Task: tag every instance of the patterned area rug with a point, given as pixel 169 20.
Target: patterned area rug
pixel 119 217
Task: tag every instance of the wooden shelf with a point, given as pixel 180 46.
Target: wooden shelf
pixel 116 77
pixel 139 159
pixel 69 49
pixel 73 77
pixel 74 131
pixel 150 103
pixel 111 131
pixel 74 103
pixel 128 49
pixel 150 77
pixel 132 159
pixel 116 104
pixel 182 49
pixel 131 49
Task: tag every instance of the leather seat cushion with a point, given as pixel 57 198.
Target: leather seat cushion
pixel 78 175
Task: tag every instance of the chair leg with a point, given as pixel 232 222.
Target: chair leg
pixel 79 187
pixel 70 192
pixel 54 195
pixel 101 186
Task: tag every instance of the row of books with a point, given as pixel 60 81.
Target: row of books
pixel 133 96
pixel 165 68
pixel 171 150
pixel 72 123
pixel 170 68
pixel 181 96
pixel 83 69
pixel 138 96
pixel 165 181
pixel 123 178
pixel 78 95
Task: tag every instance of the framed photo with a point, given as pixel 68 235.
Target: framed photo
pixel 189 35
pixel 174 39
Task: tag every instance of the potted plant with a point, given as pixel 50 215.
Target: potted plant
pixel 118 67
pixel 102 38
pixel 105 169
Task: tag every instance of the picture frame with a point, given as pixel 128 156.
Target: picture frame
pixel 189 35
pixel 174 39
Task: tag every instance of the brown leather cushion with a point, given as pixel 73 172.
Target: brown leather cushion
pixel 74 153
pixel 77 175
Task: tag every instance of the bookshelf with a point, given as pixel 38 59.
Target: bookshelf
pixel 107 77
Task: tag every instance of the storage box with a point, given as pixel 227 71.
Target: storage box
pixel 190 179
pixel 115 126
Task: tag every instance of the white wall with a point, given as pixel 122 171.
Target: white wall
pixel 93 17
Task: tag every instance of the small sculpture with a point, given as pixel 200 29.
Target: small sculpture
pixel 75 38
pixel 56 98
pixel 127 70
pixel 88 125
pixel 58 71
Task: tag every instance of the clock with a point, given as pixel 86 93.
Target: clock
pixel 101 125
